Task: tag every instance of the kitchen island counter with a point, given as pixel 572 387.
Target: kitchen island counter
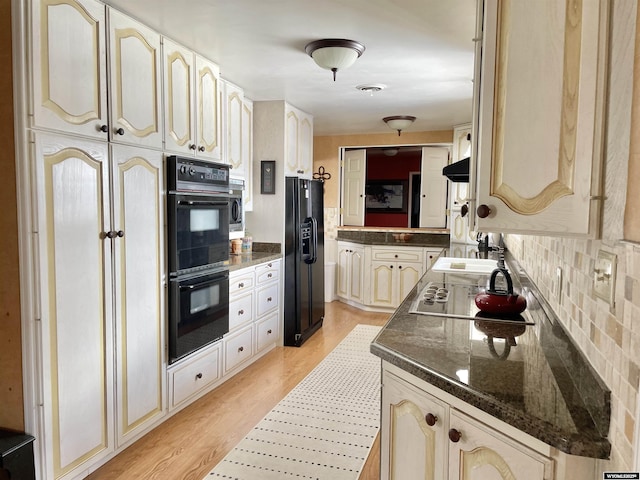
pixel 531 377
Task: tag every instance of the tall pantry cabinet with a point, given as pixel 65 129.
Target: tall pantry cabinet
pixel 97 229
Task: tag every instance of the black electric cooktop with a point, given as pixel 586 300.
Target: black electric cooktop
pixel 453 295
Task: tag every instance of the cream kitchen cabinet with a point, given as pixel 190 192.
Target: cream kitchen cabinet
pixel 423 437
pixel 299 143
pixel 540 130
pixel 394 273
pixel 237 131
pixel 190 379
pixel 232 109
pixel 351 271
pixel 69 36
pixel 135 82
pixel 254 314
pixel 191 102
pixel 101 267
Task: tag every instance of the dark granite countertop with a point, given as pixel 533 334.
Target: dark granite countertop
pixel 261 253
pixel 544 386
pixel 386 238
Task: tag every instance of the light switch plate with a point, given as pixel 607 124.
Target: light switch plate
pixel 604 276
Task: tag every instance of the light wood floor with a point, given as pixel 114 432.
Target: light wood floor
pixel 189 444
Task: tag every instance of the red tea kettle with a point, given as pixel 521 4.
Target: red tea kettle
pixel 500 302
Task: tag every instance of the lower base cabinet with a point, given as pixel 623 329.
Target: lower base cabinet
pixel 424 437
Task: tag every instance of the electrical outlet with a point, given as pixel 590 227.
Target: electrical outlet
pixel 604 276
pixel 557 290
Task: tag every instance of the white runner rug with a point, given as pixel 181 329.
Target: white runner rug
pixel 324 428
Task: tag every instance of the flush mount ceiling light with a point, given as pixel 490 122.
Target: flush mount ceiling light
pixel 399 122
pixel 334 53
pixel 371 89
pixel 390 152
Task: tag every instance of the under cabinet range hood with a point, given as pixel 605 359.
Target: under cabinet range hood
pixel 457 171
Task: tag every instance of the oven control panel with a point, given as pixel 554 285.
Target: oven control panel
pixel 186 174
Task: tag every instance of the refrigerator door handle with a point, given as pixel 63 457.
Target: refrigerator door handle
pixel 314 256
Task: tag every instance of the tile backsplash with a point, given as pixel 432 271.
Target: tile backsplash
pixel 608 335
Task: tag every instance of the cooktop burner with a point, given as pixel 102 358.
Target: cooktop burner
pixel 446 298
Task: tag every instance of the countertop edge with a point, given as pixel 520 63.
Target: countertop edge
pixel 547 433
pixel 246 260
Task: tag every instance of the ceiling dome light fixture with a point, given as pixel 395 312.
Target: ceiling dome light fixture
pixel 390 152
pixel 399 122
pixel 334 53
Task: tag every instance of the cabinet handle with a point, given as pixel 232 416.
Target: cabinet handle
pixel 201 148
pixel 192 147
pixel 399 267
pixel 431 419
pixel 120 131
pixel 390 266
pixel 240 285
pixel 240 312
pixel 120 233
pixel 455 435
pixel 198 376
pixel 396 255
pixel 240 349
pixel 268 299
pixel 269 332
pixel 104 128
pixel 269 275
pixel 269 265
pixel 109 234
pixel 483 211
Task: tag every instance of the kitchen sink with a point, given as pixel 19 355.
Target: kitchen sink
pixel 464 265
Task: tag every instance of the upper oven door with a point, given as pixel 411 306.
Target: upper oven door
pixel 198 228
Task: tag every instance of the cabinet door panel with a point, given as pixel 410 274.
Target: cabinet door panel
pixel 485 454
pixel 411 448
pixel 382 284
pixel 139 259
pixel 306 146
pixel 541 129
pixel 433 187
pixel 356 275
pixel 408 275
pixel 233 120
pixel 134 82
pixel 247 153
pixel 73 212
pixel 292 123
pixel 68 36
pixel 178 78
pixel 355 170
pixel 208 108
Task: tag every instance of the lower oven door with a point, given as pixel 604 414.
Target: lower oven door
pixel 198 312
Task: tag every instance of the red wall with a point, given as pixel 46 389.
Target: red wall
pixel 398 167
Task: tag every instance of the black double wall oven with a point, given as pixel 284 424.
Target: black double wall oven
pixel 198 248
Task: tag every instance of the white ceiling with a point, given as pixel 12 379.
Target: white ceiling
pixel 422 50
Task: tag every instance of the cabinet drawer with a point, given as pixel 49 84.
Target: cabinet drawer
pixel 240 311
pixel 267 299
pixel 191 377
pixel 241 281
pixel 237 348
pixel 267 331
pixel 398 255
pixel 267 272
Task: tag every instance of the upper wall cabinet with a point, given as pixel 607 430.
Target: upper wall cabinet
pixel 299 143
pixel 69 36
pixel 540 122
pixel 135 82
pixel 191 104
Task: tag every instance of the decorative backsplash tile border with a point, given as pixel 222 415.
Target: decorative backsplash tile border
pixel 609 337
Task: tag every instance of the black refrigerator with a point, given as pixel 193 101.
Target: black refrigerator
pixel 303 260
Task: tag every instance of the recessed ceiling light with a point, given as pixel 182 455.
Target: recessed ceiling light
pixel 372 88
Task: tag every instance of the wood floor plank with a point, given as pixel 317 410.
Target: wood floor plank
pixel 190 443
